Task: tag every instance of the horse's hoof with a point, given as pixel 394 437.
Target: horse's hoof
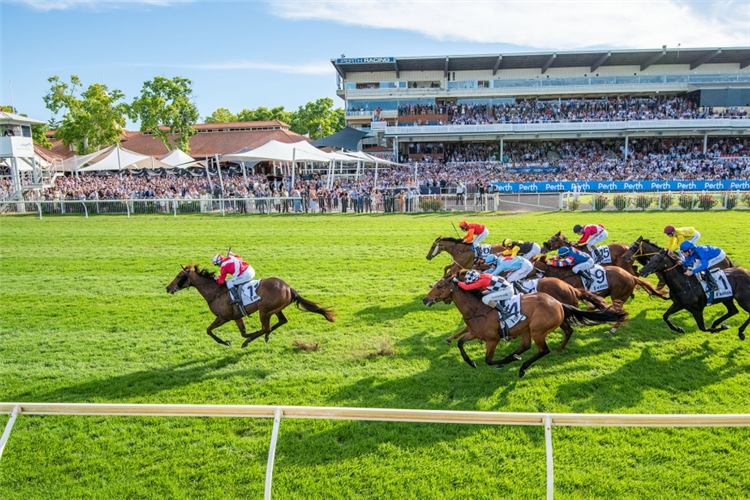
pixel 500 367
pixel 448 341
pixel 680 330
pixel 613 330
pixel 724 327
pixel 473 364
pixel 266 338
pixel 742 336
pixel 517 357
pixel 244 344
pixel 521 374
pixel 227 343
pixel 559 349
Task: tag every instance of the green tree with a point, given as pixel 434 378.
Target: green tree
pixel 164 107
pixel 94 120
pixel 221 115
pixel 263 114
pixel 318 119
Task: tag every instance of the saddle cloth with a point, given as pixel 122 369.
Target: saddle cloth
pixel 483 251
pixel 600 279
pixel 606 256
pixel 514 306
pixel 531 285
pixel 724 290
pixel 248 292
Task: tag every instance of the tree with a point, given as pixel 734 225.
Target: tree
pixel 221 115
pixel 318 119
pixel 165 108
pixel 91 121
pixel 263 114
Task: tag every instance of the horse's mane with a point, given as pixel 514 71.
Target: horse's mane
pixel 453 240
pixel 205 273
pixel 646 240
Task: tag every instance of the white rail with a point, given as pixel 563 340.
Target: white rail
pixel 547 420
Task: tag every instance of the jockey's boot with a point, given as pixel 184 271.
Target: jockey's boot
pixel 236 294
pixel 712 284
pixel 519 287
pixel 500 306
pixel 597 255
pixel 586 275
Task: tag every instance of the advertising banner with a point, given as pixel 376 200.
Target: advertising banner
pixel 600 186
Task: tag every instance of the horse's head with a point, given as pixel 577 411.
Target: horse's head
pixel 181 281
pixel 435 249
pixel 630 254
pixel 441 291
pixel 555 242
pixel 662 261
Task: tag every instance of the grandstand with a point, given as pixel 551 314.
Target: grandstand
pixel 424 108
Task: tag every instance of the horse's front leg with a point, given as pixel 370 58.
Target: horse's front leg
pixel 673 309
pixel 463 352
pixel 457 335
pixel 216 324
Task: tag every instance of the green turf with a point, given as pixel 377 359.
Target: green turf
pixel 85 318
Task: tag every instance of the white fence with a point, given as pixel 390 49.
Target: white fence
pixel 373 414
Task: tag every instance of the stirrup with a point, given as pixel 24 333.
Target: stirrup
pixel 519 287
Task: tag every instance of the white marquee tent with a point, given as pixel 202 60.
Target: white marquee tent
pixel 115 158
pixel 177 158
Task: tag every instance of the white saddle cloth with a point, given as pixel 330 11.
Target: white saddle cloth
pixel 600 279
pixel 606 256
pixel 724 290
pixel 514 307
pixel 249 294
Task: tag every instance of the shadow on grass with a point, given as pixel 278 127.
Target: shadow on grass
pixel 137 385
pixel 624 388
pixel 385 313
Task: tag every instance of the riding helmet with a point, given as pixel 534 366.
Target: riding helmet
pixel 217 259
pixel 577 228
pixel 669 229
pixel 563 251
pixel 507 242
pixel 471 277
pixel 687 245
pixel 463 224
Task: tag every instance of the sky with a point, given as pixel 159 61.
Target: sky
pixel 242 54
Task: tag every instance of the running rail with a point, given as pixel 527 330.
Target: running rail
pixel 546 420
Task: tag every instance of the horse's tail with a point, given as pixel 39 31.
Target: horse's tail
pixel 575 316
pixel 592 299
pixel 310 306
pixel 649 288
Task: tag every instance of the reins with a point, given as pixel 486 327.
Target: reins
pixel 474 315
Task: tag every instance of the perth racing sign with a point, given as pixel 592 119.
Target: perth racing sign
pixel 599 186
pixel 365 60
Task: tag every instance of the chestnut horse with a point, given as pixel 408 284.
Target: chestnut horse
pixel 616 251
pixel 461 252
pixel 621 284
pixel 643 249
pixel 275 295
pixel 558 290
pixel 543 315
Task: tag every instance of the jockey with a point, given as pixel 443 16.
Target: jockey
pixel 680 234
pixel 517 267
pixel 707 255
pixel 476 233
pixel 528 250
pixel 581 262
pixel 495 292
pixel 591 235
pixel 239 269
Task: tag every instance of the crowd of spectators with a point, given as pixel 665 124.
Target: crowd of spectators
pixel 569 110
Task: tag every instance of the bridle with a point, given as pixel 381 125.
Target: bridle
pixel 640 253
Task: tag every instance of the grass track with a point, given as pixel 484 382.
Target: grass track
pixel 85 318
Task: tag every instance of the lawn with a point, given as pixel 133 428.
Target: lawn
pixel 85 318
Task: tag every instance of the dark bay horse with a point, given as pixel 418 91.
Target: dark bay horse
pixel 616 251
pixel 461 252
pixel 643 249
pixel 558 290
pixel 621 283
pixel 687 293
pixel 275 295
pixel 543 315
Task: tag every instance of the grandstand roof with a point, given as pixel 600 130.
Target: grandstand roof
pixel 546 60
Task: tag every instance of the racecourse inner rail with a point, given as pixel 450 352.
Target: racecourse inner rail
pixel 547 420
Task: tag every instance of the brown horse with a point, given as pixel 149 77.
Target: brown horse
pixel 616 251
pixel 558 290
pixel 621 284
pixel 543 315
pixel 275 295
pixel 461 252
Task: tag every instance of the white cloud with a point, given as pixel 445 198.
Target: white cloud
pixel 321 68
pixel 48 5
pixel 565 25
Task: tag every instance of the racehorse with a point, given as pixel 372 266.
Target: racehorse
pixel 643 249
pixel 543 315
pixel 621 284
pixel 461 252
pixel 275 295
pixel 687 293
pixel 616 251
pixel 555 288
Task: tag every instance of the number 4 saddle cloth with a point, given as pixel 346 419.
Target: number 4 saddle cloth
pixel 514 307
